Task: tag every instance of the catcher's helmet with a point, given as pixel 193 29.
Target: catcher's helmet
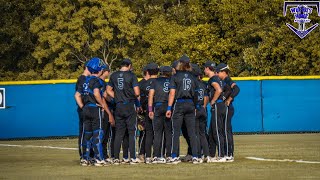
pixel 95 65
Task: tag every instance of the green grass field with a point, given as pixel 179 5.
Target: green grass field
pixel 43 163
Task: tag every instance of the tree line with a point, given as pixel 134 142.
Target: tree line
pixel 52 39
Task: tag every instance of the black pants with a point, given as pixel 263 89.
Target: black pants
pixel 201 126
pixel 126 119
pixel 106 126
pixel 108 142
pixel 93 132
pixel 216 131
pixel 229 145
pixel 184 131
pixel 142 142
pixel 80 139
pixel 81 134
pixel 162 127
pixel 183 112
pixel 148 135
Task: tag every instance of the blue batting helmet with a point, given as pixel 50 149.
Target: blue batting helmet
pixel 95 65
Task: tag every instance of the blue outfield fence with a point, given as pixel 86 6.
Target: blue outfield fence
pixel 43 110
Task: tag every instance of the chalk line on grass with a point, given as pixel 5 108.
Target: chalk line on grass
pixel 283 160
pixel 32 146
pixel 44 147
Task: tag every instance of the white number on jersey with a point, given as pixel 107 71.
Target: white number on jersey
pixel 186 84
pixel 120 83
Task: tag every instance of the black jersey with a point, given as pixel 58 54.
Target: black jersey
pixel 201 92
pixel 227 90
pixel 211 89
pixel 79 84
pixel 144 92
pixel 143 96
pixel 161 88
pixel 88 85
pixel 123 83
pixel 111 103
pixel 103 86
pixel 185 85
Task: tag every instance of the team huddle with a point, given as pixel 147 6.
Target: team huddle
pixel 168 101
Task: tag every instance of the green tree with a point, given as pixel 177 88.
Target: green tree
pixel 17 42
pixel 71 32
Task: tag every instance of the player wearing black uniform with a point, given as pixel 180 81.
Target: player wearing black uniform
pixel 157 107
pixel 182 90
pixel 188 157
pixel 141 120
pixel 90 100
pixel 123 86
pixel 107 122
pixel 223 73
pixel 201 115
pixel 216 129
pixel 152 70
pixel 79 84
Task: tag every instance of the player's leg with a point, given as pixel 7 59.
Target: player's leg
pixel 202 132
pixel 120 131
pixel 98 135
pixel 81 130
pixel 167 141
pixel 158 125
pixel 176 120
pixel 106 131
pixel 220 113
pixel 131 122
pixel 189 118
pixel 188 157
pixel 142 142
pixel 113 137
pixel 230 134
pixel 149 138
pixel 125 148
pixel 87 135
pixel 213 139
pixel 197 132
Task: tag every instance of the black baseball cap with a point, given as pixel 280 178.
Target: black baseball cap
pixel 151 66
pixel 222 67
pixel 210 64
pixel 165 69
pixel 175 64
pixel 126 61
pixel 184 59
pixel 144 68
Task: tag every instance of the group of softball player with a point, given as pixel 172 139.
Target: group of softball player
pixel 167 102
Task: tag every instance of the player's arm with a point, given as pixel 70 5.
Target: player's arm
pixel 217 92
pixel 110 91
pixel 235 91
pixel 110 86
pixel 150 103
pixel 77 97
pixel 135 86
pixel 97 96
pixel 170 102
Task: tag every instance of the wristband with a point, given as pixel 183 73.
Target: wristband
pixel 150 109
pixel 169 108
